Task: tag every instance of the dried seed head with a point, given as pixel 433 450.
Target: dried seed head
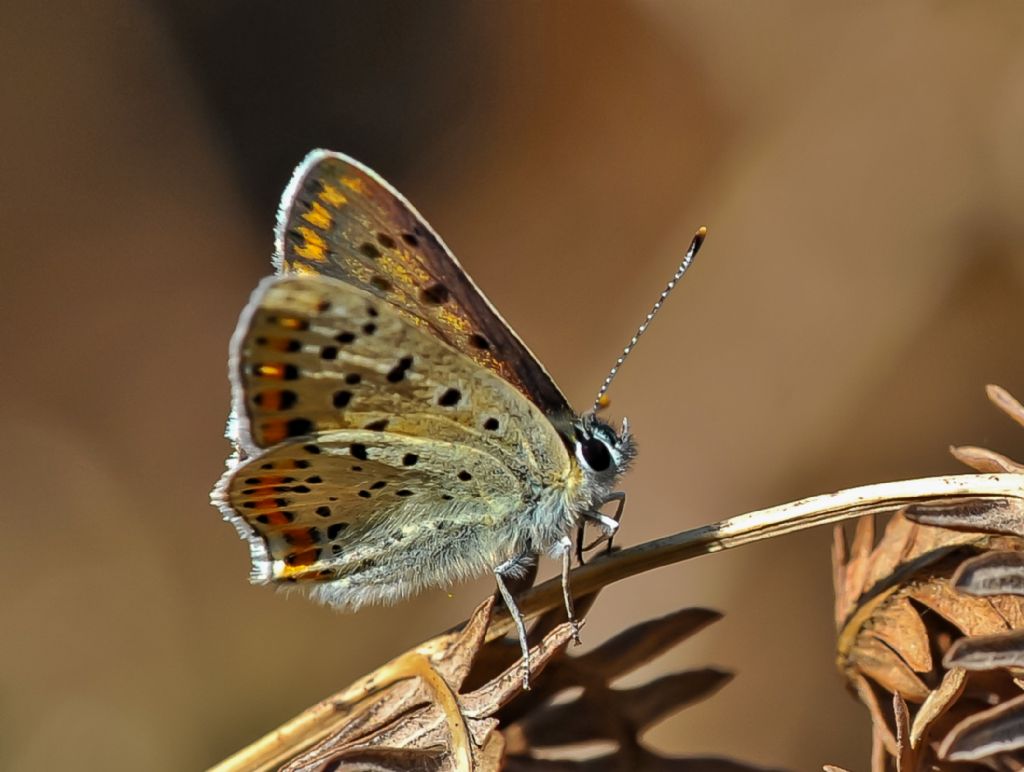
pixel 931 624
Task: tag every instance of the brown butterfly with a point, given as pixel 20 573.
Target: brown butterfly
pixel 393 432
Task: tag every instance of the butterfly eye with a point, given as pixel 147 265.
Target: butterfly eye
pixel 595 454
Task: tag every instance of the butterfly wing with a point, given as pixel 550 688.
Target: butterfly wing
pixel 339 219
pixel 361 436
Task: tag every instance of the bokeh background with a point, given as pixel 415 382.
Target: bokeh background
pixel 861 170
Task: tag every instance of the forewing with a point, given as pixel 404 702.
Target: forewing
pixel 359 433
pixel 339 219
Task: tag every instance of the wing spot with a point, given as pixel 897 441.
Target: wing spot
pixel 301 463
pixel 336 549
pixel 283 372
pixel 300 489
pixel 447 497
pixel 329 352
pixel 297 427
pixel 289 345
pixel 364 494
pixel 369 328
pixel 312 448
pixel 491 424
pixel 324 511
pixel 353 378
pixel 465 476
pixel 289 322
pixel 479 341
pixel 450 398
pixel 269 503
pixel 342 398
pixel 410 239
pixel 302 538
pixel 386 241
pixel 378 485
pixel 380 283
pixel 304 558
pixel 403 492
pixel 369 250
pixel 435 294
pixel 410 459
pixel 356 468
pixel 276 518
pixel 377 426
pixel 345 337
pixel 398 371
pixel 334 529
pixel 314 479
pixel 358 450
pixel 276 399
pixel 323 306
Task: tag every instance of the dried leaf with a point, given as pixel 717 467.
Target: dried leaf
pixel 411 714
pixel 970 615
pixel 643 642
pixel 1005 401
pixel 839 561
pixel 901 717
pixel 618 714
pixel 987 652
pixel 991 573
pixel 597 712
pixel 900 627
pixel 985 515
pixel 984 460
pixel 885 667
pixel 937 703
pixel 987 734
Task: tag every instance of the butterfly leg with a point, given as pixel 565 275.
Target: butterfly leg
pixel 609 525
pixel 566 548
pixel 620 497
pixel 508 570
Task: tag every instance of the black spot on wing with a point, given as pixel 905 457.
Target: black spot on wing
pixel 450 398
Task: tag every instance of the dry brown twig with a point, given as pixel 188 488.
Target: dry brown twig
pixel 413 714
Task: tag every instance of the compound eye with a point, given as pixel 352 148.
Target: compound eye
pixel 596 454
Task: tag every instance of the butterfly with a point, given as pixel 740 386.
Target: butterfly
pixel 392 432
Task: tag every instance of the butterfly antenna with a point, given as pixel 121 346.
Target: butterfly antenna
pixel 698 239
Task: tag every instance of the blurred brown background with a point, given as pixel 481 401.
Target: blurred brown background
pixel 861 170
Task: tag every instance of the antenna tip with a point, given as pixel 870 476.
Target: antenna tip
pixel 702 231
pixel 698 239
pixel 602 402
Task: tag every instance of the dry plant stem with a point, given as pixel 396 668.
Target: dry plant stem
pixel 319 720
pixel 756 526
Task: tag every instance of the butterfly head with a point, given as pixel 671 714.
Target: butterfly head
pixel 602 453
